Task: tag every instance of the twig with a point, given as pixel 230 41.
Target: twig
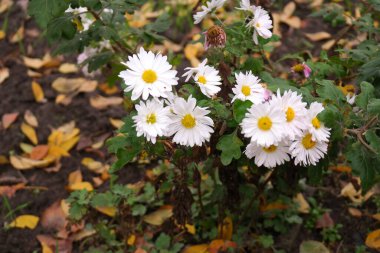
pixel 359 132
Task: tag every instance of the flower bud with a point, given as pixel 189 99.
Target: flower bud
pixel 215 37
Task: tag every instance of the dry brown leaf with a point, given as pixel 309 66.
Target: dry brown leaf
pixel 303 205
pixel 116 123
pixel 171 46
pixel 318 36
pixel 10 191
pixel 376 216
pixel 3 159
pixel 107 89
pixel 355 212
pixel 289 9
pixel 159 216
pixel 5 4
pixel 354 195
pixel 328 45
pixel 373 240
pixel 33 74
pixel 100 102
pixel 75 177
pixel 18 36
pixel 67 68
pixel 50 244
pixel 22 163
pixel 81 186
pixel 88 86
pixel 4 74
pixel 8 119
pixel 316 3
pixel 54 217
pixel 30 118
pixel 25 221
pixel 34 63
pixel 294 22
pixel 220 246
pixel 84 233
pixel 29 132
pixel 38 92
pixel 39 152
pixel 95 166
pixel 66 85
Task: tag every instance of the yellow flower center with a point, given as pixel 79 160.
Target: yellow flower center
pixel 264 123
pixel 258 25
pixel 270 149
pixel 202 79
pixel 188 121
pixel 298 68
pixel 316 123
pixel 246 90
pixel 290 114
pixel 151 118
pixel 307 142
pixel 149 76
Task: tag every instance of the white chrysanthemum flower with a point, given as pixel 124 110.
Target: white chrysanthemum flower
pixel 295 112
pixel 264 124
pixel 245 5
pixel 152 119
pixel 206 77
pixel 248 87
pixel 148 74
pixel 190 125
pixel 317 129
pixel 270 156
pixel 206 9
pixel 261 23
pixel 351 98
pixel 306 152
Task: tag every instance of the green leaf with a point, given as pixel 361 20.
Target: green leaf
pixel 230 146
pixel 240 109
pixel 373 139
pixel 373 106
pixel 333 118
pixel 366 93
pixel 138 210
pixel 45 10
pixel 163 242
pixel 98 60
pixel 61 27
pixel 364 163
pixel 161 24
pixel 103 199
pixel 313 247
pixel 330 91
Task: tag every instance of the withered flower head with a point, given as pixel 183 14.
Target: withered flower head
pixel 215 37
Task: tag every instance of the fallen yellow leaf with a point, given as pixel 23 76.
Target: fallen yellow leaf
pixel 200 248
pixel 2 35
pixel 131 240
pixel 225 229
pixel 116 123
pixel 25 221
pixel 29 132
pixel 100 102
pixel 38 92
pixel 81 186
pixel 18 36
pixel 27 148
pixel 75 177
pixel 318 36
pixel 159 216
pixel 94 166
pixel 303 206
pixel 107 210
pixel 373 239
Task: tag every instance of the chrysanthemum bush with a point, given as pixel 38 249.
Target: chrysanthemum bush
pixel 226 136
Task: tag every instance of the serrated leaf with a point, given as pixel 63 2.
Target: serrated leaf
pixel 366 93
pixel 240 109
pixel 373 106
pixel 230 146
pixel 45 10
pixel 330 91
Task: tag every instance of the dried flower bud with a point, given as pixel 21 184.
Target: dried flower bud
pixel 215 37
pixel 302 68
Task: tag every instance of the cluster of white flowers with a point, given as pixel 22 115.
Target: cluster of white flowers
pixel 207 8
pixel 284 128
pixel 279 126
pixel 150 74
